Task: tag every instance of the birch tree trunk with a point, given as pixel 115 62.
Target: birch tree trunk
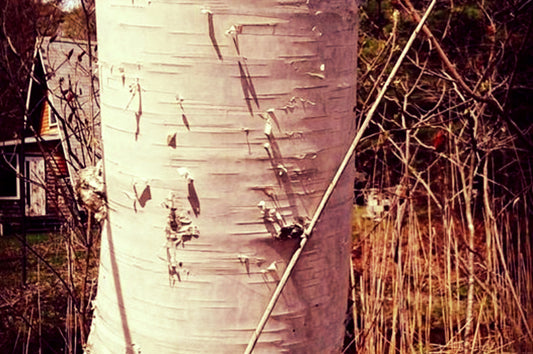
pixel 223 123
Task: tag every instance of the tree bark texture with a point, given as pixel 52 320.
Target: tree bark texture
pixel 223 123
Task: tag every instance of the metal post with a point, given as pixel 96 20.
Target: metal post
pixel 22 170
pixel 22 181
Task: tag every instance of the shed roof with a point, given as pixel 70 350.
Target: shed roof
pixel 73 89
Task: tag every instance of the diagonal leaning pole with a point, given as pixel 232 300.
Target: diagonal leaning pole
pixel 329 191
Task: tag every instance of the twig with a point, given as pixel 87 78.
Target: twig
pixel 449 65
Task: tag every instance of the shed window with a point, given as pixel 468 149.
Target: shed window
pixel 9 184
pixel 53 118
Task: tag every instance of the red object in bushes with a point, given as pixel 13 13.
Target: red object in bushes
pixel 439 141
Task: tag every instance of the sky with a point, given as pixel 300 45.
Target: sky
pixel 70 4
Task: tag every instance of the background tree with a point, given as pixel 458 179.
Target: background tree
pixel 21 23
pixel 80 22
pixel 16 53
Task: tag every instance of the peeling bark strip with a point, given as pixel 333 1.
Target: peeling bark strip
pixel 211 27
pixel 184 119
pixel 219 165
pixel 142 193
pixel 193 198
pixel 135 89
pixel 172 140
pixel 178 230
pixel 233 33
pixel 280 171
pixel 247 88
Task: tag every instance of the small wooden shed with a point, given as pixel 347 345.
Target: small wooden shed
pixel 61 137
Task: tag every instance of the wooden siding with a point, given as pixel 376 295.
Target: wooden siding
pixel 9 208
pixel 58 164
pixel 56 178
pixel 45 128
pixel 56 182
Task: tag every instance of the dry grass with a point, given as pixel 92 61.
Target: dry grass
pixel 413 279
pixel 40 317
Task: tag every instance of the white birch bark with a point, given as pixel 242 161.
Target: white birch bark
pixel 230 118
